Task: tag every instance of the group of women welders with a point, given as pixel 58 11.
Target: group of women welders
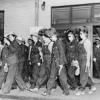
pixel 48 61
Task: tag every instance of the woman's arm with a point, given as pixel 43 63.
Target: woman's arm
pixel 87 46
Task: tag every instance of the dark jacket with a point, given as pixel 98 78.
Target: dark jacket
pixel 58 53
pixel 35 56
pixel 72 51
pixel 23 54
pixel 13 55
pixel 4 54
pixel 96 53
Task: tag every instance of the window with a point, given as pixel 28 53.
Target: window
pixel 84 13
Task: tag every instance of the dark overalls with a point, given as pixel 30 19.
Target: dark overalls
pixel 35 59
pixel 24 54
pixel 45 67
pixel 21 59
pixel 13 73
pixel 4 54
pixel 58 58
pixel 96 67
pixel 71 54
pixel 84 75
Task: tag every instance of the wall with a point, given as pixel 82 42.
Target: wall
pixel 46 15
pixel 19 16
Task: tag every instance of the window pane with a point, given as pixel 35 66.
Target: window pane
pixel 81 14
pixel 60 15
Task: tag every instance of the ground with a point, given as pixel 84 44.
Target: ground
pixel 56 95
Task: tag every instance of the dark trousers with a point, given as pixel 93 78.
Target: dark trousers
pixel 96 69
pixel 53 76
pixel 11 76
pixel 2 77
pixel 44 71
pixel 27 71
pixel 71 76
pixel 43 76
pixel 20 67
pixel 35 74
pixel 84 75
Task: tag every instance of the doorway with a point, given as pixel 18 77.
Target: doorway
pixel 2 26
pixel 96 51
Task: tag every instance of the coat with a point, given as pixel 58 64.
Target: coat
pixel 58 53
pixel 4 54
pixel 71 51
pixel 23 53
pixel 35 56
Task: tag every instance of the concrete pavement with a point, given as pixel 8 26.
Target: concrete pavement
pixel 56 95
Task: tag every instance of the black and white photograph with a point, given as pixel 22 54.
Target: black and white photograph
pixel 49 49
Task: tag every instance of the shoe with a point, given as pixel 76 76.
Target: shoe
pixel 53 90
pixel 13 88
pixel 35 90
pixel 5 92
pixel 80 93
pixel 46 93
pixel 93 89
pixel 66 93
pixel 72 88
pixel 32 86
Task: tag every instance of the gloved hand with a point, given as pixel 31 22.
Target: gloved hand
pixel 38 64
pixel 0 63
pixel 6 68
pixel 30 63
pixel 60 68
pixel 76 64
pixel 77 72
pixel 94 59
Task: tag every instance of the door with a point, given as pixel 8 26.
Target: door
pixel 1 26
pixel 96 51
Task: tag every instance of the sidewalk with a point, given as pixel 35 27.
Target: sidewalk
pixel 56 95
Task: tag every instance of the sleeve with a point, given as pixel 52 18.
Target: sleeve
pixel 3 59
pixel 94 51
pixel 76 51
pixel 14 47
pixel 88 49
pixel 62 58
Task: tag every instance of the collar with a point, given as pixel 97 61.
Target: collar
pixel 98 46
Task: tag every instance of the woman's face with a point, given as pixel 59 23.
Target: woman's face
pixel 11 37
pixel 35 39
pixel 70 37
pixel 54 38
pixel 46 40
pixel 30 42
pixel 6 41
pixel 82 35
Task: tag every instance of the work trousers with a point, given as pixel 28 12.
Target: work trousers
pixel 2 77
pixel 53 76
pixel 44 71
pixel 71 76
pixel 84 75
pixel 12 76
pixel 35 74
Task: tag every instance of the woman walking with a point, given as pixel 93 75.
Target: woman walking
pixel 85 62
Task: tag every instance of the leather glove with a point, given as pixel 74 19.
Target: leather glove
pixel 38 64
pixel 61 66
pixel 6 68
